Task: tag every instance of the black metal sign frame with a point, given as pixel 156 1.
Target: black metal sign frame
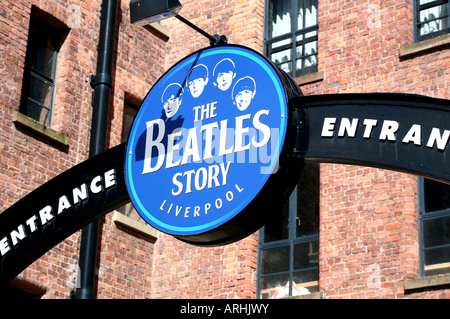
pixel 402 132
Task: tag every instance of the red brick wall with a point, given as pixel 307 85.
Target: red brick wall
pixel 369 217
pixel 368 232
pixel 28 160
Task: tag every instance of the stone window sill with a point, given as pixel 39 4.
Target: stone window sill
pixel 314 295
pixel 309 78
pixel 135 225
pixel 423 47
pixel 41 129
pixel 158 28
pixel 426 283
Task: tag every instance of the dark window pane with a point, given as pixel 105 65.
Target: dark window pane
pixel 275 260
pixel 437 196
pixel 437 256
pixel 37 112
pixel 437 232
pixel 43 56
pixel 306 255
pixel 307 222
pixel 278 227
pixel 40 92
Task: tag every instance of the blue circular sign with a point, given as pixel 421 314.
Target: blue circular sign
pixel 206 140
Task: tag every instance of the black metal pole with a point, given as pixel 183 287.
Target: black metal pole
pixel 213 39
pixel 101 83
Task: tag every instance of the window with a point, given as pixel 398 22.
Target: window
pixel 40 69
pixel 288 255
pixel 291 35
pixel 432 18
pixel 434 214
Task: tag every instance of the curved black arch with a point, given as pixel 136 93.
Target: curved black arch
pixel 317 140
pixel 45 236
pixel 408 120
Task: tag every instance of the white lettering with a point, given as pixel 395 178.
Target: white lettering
pixel 17 235
pixel 348 127
pixel 79 194
pixel 204 174
pixel 186 212
pixel 388 130
pixel 196 211
pixel 369 124
pixel 208 128
pixel 201 178
pixel 4 246
pixel 177 183
pixel 218 203
pixel 212 176
pixel 31 222
pixel 328 126
pixel 171 146
pixel 162 205
pixel 414 135
pixel 45 214
pixel 264 129
pixel 63 204
pixel 223 139
pixel 188 175
pixel 110 178
pixel 96 186
pixel 224 172
pixel 240 133
pixel 436 138
pixel 150 143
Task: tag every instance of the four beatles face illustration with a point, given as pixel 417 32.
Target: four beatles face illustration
pixel 197 79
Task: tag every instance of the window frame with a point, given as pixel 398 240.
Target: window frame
pixel 417 24
pixel 44 28
pixel 292 35
pixel 427 216
pixel 291 242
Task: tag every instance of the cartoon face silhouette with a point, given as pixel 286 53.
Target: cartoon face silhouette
pixel 224 73
pixel 171 98
pixel 243 92
pixel 197 80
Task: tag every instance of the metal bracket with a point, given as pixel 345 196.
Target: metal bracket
pixel 100 78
